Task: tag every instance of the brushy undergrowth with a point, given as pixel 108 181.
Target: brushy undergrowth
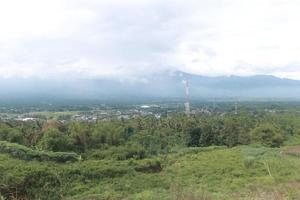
pixel 25 153
pixel 205 173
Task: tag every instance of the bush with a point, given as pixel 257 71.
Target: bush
pixel 30 181
pixel 26 153
pixel 54 140
pixel 11 135
pixel 194 136
pixel 42 185
pixel 249 162
pixel 120 153
pixel 106 134
pixel 268 135
pixel 94 169
pixel 148 166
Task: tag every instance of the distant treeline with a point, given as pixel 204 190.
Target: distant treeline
pixel 146 136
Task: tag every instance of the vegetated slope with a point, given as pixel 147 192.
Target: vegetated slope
pixel 198 173
pixel 26 153
pixel 172 157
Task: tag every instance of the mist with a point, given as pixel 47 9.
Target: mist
pixel 162 86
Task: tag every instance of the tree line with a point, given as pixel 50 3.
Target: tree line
pixel 146 136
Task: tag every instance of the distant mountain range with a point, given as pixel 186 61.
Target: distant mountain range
pixel 161 86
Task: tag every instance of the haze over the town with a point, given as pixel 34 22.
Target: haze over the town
pixel 131 39
pixel 149 99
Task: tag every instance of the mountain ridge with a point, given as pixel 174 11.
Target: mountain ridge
pixel 163 85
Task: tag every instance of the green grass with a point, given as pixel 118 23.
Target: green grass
pixel 292 140
pixel 242 172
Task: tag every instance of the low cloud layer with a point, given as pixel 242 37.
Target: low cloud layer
pixel 135 38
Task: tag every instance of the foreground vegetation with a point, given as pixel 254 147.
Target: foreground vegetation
pixel 200 173
pixel 244 156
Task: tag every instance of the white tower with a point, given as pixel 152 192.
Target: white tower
pixel 236 108
pixel 187 98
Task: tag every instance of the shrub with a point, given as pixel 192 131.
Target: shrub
pixel 249 161
pixel 194 136
pixel 94 169
pixel 119 153
pixel 42 185
pixel 268 135
pixel 30 181
pixel 148 165
pixel 106 134
pixel 54 140
pixel 26 153
pixel 15 136
pixel 12 135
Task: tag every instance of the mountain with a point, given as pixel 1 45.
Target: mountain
pixel 253 87
pixel 160 86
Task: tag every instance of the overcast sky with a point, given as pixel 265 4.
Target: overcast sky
pixel 135 38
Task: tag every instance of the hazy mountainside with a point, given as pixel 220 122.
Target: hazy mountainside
pixel 165 85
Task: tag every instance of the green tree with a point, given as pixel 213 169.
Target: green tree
pixel 54 140
pixel 207 137
pixel 80 135
pixel 194 136
pixel 15 136
pixel 107 133
pixel 268 135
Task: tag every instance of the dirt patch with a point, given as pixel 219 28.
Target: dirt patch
pixel 293 149
pixel 284 191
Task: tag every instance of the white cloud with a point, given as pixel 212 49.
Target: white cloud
pixel 132 38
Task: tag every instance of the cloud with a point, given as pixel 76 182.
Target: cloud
pixel 135 38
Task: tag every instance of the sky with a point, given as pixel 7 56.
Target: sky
pixel 132 39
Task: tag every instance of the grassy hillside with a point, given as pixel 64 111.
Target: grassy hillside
pixel 252 155
pixel 242 172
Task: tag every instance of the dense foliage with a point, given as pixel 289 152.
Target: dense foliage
pixel 154 135
pixel 122 158
pixel 25 153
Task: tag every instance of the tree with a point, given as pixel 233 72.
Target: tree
pixel 267 134
pixel 207 137
pixel 232 132
pixel 13 135
pixel 107 133
pixel 149 140
pixel 54 140
pixel 32 132
pixel 194 136
pixel 79 134
pixel 128 132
